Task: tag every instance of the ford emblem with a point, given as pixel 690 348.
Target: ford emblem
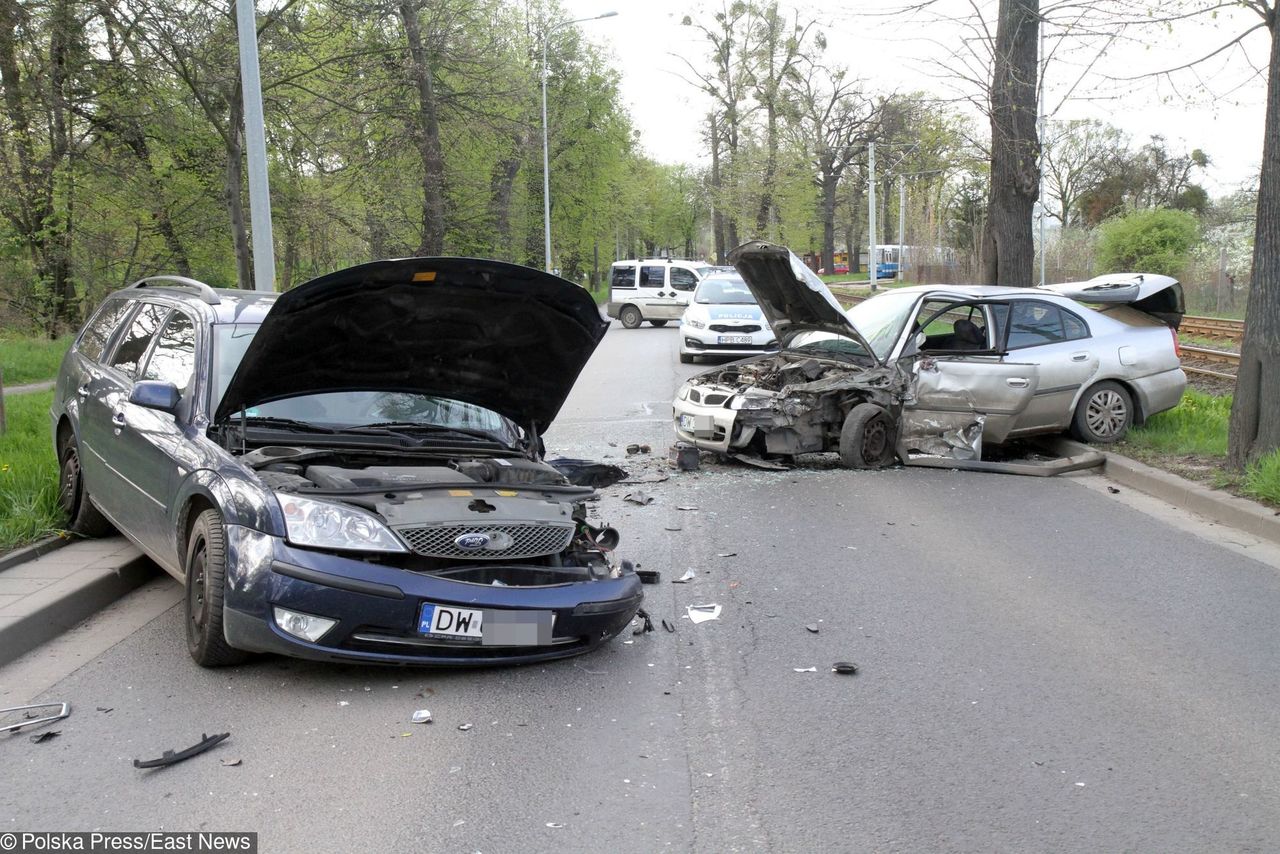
pixel 471 542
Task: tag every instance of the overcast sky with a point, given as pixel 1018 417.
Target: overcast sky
pixel 1219 109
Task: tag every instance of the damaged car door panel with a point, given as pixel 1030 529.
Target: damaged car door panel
pixel 950 367
pixel 352 470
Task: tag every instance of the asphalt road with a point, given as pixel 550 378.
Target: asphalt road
pixel 1044 666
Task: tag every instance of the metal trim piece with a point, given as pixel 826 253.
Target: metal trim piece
pixel 355 585
pixel 64 709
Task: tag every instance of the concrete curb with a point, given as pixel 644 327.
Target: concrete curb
pixel 55 609
pixel 35 550
pixel 1223 508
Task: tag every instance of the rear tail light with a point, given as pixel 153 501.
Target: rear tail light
pixel 1177 346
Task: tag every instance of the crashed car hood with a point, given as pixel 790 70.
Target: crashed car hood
pixel 791 296
pixel 508 338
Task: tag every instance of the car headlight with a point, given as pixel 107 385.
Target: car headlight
pixel 334 526
pixel 742 401
pixel 695 323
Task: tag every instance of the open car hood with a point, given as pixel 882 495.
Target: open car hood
pixel 792 297
pixel 1159 296
pixel 508 338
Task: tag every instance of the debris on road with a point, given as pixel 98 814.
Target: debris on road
pixel 727 554
pixel 29 719
pixel 587 472
pixel 231 763
pixel 464 727
pixel 805 669
pixel 555 825
pixel 170 757
pixel 759 463
pixel 671 627
pixel 689 575
pixel 641 498
pixel 812 627
pixel 646 626
pixel 42 737
pixel 683 457
pixel 422 716
pixel 649 576
pixel 846 667
pixel 1113 490
pixel 703 613
pixel 638 449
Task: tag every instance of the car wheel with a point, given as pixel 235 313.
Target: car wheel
pixel 1103 414
pixel 206 567
pixel 658 322
pixel 82 517
pixel 630 317
pixel 686 358
pixel 866 440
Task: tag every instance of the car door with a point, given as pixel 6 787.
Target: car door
pixel 1058 342
pixel 682 282
pixel 114 467
pixel 656 298
pixel 152 445
pixel 965 376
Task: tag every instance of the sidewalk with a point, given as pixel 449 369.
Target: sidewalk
pixel 41 598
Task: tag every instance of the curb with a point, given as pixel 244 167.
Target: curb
pixel 1225 509
pixel 35 550
pixel 71 601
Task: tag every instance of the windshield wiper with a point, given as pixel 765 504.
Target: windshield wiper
pixel 405 428
pixel 283 423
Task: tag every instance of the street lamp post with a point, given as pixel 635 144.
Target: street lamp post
pixel 546 160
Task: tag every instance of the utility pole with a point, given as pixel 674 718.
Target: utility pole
pixel 902 221
pixel 255 137
pixel 871 213
pixel 1040 164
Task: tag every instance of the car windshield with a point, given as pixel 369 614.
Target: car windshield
pixel 881 320
pixel 724 291
pixel 339 410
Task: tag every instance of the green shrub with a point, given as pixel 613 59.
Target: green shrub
pixel 1152 241
pixel 1197 425
pixel 1262 479
pixel 28 472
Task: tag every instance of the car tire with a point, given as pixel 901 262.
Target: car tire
pixel 867 438
pixel 206 568
pixel 658 323
pixel 630 317
pixel 686 358
pixel 83 518
pixel 1103 414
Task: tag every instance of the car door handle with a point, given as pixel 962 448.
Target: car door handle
pixel 83 391
pixel 1018 382
pixel 118 419
pixel 1079 357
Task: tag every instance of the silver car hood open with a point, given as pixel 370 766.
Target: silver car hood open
pixel 792 297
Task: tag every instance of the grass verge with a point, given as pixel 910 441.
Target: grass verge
pixel 28 473
pixel 1191 440
pixel 30 360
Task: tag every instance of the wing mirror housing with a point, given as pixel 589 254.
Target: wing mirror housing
pixel 153 394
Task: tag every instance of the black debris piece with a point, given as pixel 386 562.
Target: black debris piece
pixel 42 737
pixel 587 472
pixel 683 456
pixel 647 626
pixel 169 757
pixel 1113 490
pixel 846 667
pixel 649 576
pixel 812 627
pixel 669 626
pixel 633 449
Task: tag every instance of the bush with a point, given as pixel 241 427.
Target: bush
pixel 1154 241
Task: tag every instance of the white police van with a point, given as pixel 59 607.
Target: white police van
pixel 652 289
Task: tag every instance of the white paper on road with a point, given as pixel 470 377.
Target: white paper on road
pixel 688 576
pixel 702 613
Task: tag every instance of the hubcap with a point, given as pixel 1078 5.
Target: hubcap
pixel 1106 414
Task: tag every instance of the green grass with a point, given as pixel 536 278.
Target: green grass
pixel 29 360
pixel 1262 479
pixel 1197 426
pixel 28 473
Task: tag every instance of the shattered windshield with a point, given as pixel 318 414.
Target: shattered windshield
pixel 826 344
pixel 881 320
pixel 348 409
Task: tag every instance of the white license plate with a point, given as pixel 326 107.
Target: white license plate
pixel 686 423
pixel 448 621
pixel 734 339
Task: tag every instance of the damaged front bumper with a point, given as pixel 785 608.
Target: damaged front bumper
pixel 377 608
pixel 712 427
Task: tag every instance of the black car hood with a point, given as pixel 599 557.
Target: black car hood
pixel 792 297
pixel 508 338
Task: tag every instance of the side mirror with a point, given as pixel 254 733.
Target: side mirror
pixel 153 394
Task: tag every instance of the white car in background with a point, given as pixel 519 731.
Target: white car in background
pixel 723 319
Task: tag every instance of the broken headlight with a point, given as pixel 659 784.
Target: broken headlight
pixel 743 401
pixel 334 526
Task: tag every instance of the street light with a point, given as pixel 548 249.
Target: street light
pixel 546 161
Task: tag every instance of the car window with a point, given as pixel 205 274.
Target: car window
pixel 624 276
pixel 96 334
pixel 682 279
pixel 653 277
pixel 142 329
pixel 174 358
pixel 950 324
pixel 1033 324
pixel 881 319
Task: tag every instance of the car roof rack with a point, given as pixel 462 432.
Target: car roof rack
pixel 206 293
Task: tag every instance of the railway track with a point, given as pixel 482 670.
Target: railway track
pixel 1213 327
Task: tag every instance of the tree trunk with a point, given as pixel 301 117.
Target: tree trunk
pixel 770 170
pixel 427 134
pixel 830 184
pixel 233 195
pixel 501 183
pixel 1008 249
pixel 1254 428
pixel 717 214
